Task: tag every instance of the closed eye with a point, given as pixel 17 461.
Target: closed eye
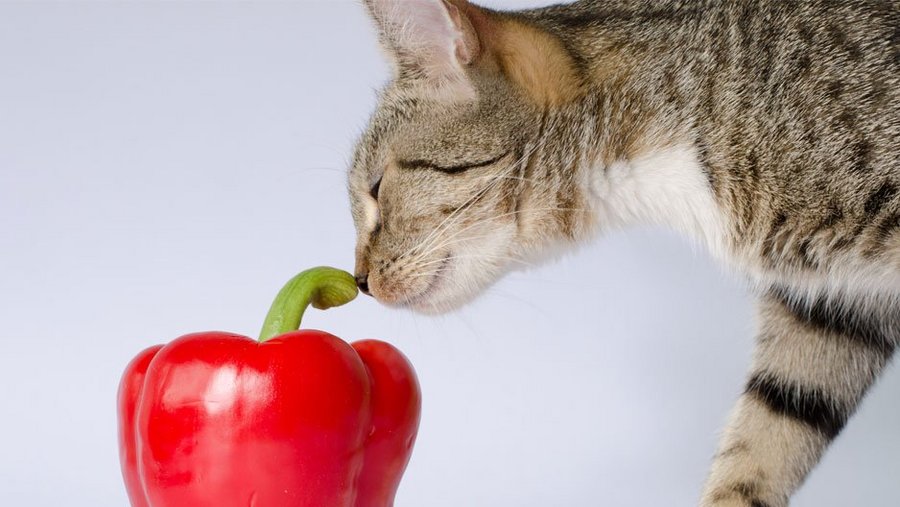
pixel 374 191
pixel 453 169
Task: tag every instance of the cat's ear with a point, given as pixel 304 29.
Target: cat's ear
pixel 431 41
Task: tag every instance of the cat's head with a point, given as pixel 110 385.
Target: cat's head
pixel 446 190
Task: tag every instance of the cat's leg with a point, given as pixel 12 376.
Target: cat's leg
pixel 815 359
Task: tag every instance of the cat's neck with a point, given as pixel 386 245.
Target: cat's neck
pixel 580 185
pixel 633 137
pixel 666 186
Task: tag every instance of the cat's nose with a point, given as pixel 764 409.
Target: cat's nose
pixel 362 281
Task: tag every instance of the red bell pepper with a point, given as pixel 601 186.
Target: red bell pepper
pixel 299 419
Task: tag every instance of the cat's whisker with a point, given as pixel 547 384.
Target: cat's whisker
pixel 415 262
pixel 455 216
pixel 493 181
pixel 498 217
pixel 326 169
pixel 447 222
pixel 470 256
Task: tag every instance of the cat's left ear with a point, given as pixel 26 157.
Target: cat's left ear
pixel 430 41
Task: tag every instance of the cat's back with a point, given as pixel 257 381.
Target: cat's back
pixel 801 116
pixel 793 106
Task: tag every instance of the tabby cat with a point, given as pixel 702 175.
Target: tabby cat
pixel 765 129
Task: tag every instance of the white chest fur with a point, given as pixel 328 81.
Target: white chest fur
pixel 667 187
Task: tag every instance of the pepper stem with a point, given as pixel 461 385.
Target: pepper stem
pixel 324 287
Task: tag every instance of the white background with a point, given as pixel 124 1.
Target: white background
pixel 164 168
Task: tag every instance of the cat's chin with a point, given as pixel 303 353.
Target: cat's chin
pixel 437 300
pixel 457 281
pixel 431 302
pixel 443 295
pixel 436 305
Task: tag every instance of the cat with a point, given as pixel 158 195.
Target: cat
pixel 767 130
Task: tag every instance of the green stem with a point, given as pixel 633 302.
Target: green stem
pixel 324 287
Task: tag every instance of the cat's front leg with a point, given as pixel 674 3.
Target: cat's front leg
pixel 815 359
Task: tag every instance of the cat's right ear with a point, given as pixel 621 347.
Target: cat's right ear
pixel 430 42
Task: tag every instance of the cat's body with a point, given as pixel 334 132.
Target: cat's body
pixel 767 130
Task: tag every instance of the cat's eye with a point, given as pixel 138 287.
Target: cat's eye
pixel 449 169
pixel 374 191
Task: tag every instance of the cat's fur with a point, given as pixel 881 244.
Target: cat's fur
pixel 766 129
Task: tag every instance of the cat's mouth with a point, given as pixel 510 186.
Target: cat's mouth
pixel 421 300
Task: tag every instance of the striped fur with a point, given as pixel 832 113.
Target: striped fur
pixel 815 360
pixel 765 130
